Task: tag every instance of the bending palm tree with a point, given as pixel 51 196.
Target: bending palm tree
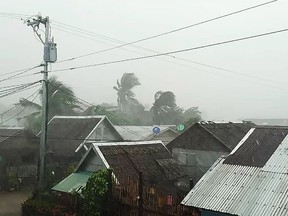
pixel 126 100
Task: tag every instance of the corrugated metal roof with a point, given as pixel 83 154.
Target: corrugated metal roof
pixel 137 133
pixel 74 182
pixel 258 147
pixel 244 190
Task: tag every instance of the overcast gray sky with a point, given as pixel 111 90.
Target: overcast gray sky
pixel 220 95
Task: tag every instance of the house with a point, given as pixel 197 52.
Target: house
pixel 19 152
pixel 68 138
pixel 161 175
pixel 165 133
pixel 203 143
pixel 251 180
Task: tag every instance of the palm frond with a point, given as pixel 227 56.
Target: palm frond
pixel 166 99
pixel 129 80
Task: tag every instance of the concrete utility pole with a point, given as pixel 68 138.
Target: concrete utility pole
pixel 50 55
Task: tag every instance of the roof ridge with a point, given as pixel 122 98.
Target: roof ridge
pixel 215 136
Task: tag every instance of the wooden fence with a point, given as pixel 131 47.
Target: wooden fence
pixel 138 199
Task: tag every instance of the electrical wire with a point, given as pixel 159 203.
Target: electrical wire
pixel 169 32
pixel 16 71
pixel 16 76
pixel 93 39
pixel 31 102
pixel 14 14
pixel 16 104
pixel 5 94
pixel 187 60
pixel 174 52
pixel 185 50
pixel 5 87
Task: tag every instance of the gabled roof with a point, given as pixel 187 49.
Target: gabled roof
pixel 247 189
pixel 72 131
pixel 258 146
pixel 138 133
pixel 151 158
pixel 227 134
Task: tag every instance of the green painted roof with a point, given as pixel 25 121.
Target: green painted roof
pixel 73 183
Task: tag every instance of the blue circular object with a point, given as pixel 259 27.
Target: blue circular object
pixel 156 130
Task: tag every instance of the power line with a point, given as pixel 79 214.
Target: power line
pixel 18 90
pixel 179 58
pixel 16 105
pixel 37 91
pixel 172 56
pixel 185 50
pixel 169 32
pixel 16 71
pixel 13 86
pixel 16 76
pixel 173 52
pixel 7 91
pixel 14 16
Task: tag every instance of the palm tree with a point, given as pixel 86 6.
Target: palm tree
pixel 61 101
pixel 164 109
pixel 126 101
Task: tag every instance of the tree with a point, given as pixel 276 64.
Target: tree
pixel 96 194
pixel 126 101
pixel 61 101
pixel 191 116
pixel 165 109
pixel 113 116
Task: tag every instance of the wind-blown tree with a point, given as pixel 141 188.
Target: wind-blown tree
pixel 165 109
pixel 191 116
pixel 61 101
pixel 113 116
pixel 126 101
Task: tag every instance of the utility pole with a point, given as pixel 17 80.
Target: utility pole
pixel 50 55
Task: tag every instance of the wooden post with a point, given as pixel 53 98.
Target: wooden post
pixel 140 195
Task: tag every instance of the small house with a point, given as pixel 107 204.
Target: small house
pixel 131 162
pixel 203 143
pixel 68 138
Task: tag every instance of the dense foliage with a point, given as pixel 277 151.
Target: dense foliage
pixel 95 194
pixel 93 200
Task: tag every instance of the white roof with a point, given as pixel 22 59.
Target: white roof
pixel 245 190
pixel 136 133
